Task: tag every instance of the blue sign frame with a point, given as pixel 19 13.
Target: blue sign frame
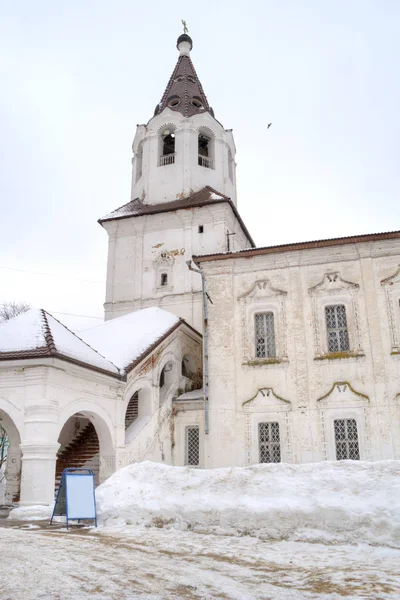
pixel 68 498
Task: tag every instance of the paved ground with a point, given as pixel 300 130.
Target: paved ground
pixel 39 562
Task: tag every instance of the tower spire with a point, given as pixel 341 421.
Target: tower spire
pixel 184 92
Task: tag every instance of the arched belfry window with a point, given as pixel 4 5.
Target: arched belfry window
pixel 205 149
pixel 167 143
pixel 139 161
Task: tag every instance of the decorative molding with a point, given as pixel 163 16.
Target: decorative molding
pixel 342 387
pixel 266 392
pixel 164 258
pixel 388 284
pixel 262 288
pixel 263 295
pixel 332 283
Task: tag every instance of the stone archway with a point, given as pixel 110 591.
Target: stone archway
pixel 138 409
pixel 10 460
pixel 86 440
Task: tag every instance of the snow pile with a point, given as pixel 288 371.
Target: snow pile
pixel 32 513
pixel 124 339
pixel 327 502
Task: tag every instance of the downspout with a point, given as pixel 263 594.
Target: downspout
pixel 205 343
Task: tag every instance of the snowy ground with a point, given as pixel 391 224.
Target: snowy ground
pixel 53 564
pixel 272 531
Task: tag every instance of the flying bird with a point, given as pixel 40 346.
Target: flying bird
pixel 269 125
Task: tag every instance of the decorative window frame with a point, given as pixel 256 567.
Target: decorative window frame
pixel 343 402
pixel 267 406
pixel 333 290
pixel 263 297
pixel 164 264
pixel 391 286
pixel 186 456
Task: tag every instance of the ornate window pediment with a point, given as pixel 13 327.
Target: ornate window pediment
pixel 332 283
pixel 391 285
pixel 263 299
pixel 340 408
pixel 334 291
pixel 266 399
pixel 342 394
pixel 261 289
pixel 264 407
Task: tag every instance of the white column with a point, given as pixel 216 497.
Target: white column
pixel 38 472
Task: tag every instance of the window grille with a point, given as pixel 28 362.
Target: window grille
pixel 192 446
pixel 336 324
pixel 269 442
pixel 265 335
pixel 132 411
pixel 346 439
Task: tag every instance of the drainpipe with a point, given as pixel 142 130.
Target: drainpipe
pixel 205 342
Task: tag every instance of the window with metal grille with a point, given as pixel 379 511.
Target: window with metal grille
pixel 192 457
pixel 336 325
pixel 269 442
pixel 265 335
pixel 133 410
pixel 346 439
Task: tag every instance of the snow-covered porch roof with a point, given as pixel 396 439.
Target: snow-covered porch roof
pixel 114 347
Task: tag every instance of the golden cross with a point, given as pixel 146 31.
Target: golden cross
pixel 185 29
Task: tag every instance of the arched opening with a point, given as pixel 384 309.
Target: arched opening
pixel 230 165
pixel 167 143
pixel 188 366
pixel 139 161
pixel 10 461
pixel 205 144
pixel 166 380
pixel 137 412
pixel 85 442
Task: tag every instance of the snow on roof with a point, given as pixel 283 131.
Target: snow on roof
pixel 124 339
pixel 38 333
pixel 25 332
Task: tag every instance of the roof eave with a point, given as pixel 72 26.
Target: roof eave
pixel 367 237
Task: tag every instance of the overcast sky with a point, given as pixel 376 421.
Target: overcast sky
pixel 78 75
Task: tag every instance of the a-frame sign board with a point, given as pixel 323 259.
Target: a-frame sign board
pixel 75 496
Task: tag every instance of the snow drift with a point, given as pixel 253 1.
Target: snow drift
pixel 327 502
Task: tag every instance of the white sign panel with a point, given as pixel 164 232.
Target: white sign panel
pixel 80 496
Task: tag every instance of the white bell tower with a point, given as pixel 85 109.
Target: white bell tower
pixel 183 147
pixel 183 202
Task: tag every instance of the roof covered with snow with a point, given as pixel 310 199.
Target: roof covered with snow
pixel 37 333
pixel 125 340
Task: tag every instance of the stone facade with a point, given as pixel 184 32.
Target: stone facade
pixel 305 386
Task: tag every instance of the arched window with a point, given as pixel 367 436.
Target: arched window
pixel 264 335
pixel 205 150
pixel 230 165
pixel 132 410
pixel 139 161
pixel 336 325
pixel 167 142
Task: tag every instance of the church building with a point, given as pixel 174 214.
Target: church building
pixel 213 352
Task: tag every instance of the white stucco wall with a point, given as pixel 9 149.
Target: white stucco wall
pixel 303 389
pixel 142 248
